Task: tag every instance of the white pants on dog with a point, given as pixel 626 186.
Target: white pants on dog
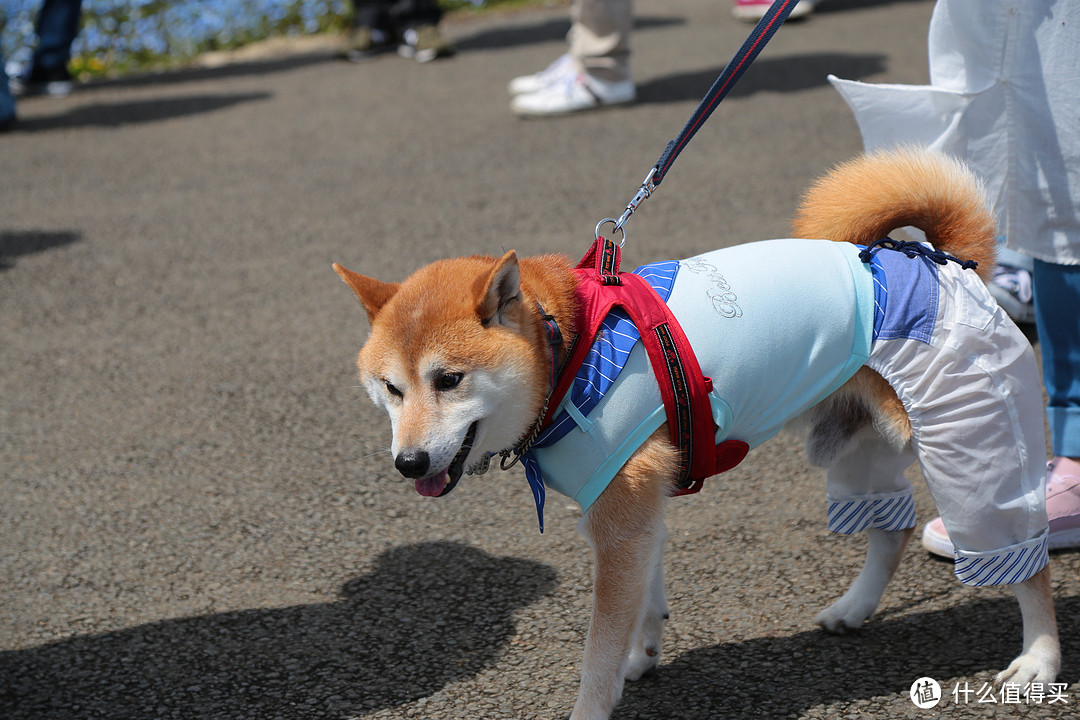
pixel 970 389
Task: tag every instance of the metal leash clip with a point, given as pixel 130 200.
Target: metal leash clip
pixel 619 225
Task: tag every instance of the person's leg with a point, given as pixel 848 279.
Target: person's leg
pixel 7 102
pixel 414 13
pixel 57 26
pixel 369 14
pixel 600 38
pixel 1057 296
pixel 416 24
pixel 596 72
pixel 371 33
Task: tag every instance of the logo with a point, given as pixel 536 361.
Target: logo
pixel 724 300
pixel 925 693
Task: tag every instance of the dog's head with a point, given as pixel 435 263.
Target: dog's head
pixel 453 359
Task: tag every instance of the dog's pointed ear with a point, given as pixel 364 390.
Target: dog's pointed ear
pixel 372 293
pixel 500 298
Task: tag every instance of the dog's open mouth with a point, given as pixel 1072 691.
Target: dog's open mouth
pixel 443 483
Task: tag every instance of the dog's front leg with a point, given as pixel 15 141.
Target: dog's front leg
pixel 883 552
pixel 625 529
pixel 622 558
pixel 649 634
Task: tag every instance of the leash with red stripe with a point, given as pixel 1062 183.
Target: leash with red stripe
pixel 602 286
pixel 766 27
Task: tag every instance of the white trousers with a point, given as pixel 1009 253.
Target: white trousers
pixel 973 395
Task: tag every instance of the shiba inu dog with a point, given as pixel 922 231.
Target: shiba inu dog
pixel 889 352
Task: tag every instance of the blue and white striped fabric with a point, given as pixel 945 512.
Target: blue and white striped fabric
pixel 614 341
pixel 892 511
pixel 881 294
pixel 1003 568
pixel 616 337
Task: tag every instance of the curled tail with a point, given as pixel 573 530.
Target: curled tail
pixel 865 199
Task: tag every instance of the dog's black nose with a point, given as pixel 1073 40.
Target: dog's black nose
pixel 412 463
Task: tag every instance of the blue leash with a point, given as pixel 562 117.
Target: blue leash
pixel 766 27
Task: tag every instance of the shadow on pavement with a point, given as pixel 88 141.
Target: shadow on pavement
pixel 135 112
pixel 790 73
pixel 783 677
pixel 14 243
pixel 427 615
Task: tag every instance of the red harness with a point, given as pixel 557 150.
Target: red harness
pixel 684 388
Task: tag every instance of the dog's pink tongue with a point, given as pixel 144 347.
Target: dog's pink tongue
pixel 431 486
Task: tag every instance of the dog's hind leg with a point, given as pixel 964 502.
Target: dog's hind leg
pixel 626 531
pixel 884 549
pixel 868 491
pixel 1041 658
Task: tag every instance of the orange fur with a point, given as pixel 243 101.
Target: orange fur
pixel 863 200
pixel 639 487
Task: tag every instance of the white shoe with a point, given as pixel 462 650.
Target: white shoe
pixel 935 538
pixel 1012 288
pixel 571 94
pixel 563 65
pixel 754 10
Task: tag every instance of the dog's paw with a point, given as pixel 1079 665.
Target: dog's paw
pixel 843 615
pixel 642 661
pixel 1037 665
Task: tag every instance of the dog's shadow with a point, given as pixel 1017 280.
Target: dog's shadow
pixel 784 677
pixel 427 615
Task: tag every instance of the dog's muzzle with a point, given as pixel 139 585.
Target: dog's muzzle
pixel 416 465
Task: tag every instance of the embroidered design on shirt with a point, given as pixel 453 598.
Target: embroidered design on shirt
pixel 724 300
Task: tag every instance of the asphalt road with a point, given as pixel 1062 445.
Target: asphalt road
pixel 200 518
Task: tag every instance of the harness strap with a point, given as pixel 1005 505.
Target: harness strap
pixel 554 339
pixel 683 386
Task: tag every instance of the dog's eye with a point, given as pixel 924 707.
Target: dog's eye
pixel 392 389
pixel 448 381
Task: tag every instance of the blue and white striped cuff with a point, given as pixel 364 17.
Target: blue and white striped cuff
pixel 885 511
pixel 1014 564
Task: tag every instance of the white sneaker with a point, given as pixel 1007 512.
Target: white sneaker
pixel 563 65
pixel 571 94
pixel 1012 288
pixel 754 10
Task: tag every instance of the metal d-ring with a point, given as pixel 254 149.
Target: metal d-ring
pixel 616 225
